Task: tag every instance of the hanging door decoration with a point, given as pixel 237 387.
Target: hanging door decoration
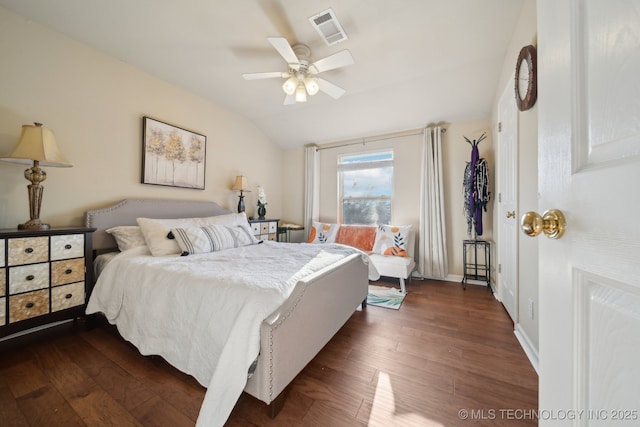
pixel 476 188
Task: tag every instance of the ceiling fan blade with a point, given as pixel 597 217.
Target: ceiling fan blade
pixel 289 100
pixel 331 62
pixel 271 75
pixel 277 15
pixel 330 89
pixel 284 49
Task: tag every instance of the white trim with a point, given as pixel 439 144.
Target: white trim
pixel 454 278
pixel 527 346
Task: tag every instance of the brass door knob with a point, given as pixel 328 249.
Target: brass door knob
pixel 551 223
pixel 511 214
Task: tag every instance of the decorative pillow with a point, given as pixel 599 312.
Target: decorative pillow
pixel 127 236
pixel 323 232
pixel 358 236
pixel 228 219
pixel 156 232
pixel 212 238
pixel 392 240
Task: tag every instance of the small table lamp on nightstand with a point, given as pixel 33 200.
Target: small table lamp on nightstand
pixel 36 146
pixel 241 186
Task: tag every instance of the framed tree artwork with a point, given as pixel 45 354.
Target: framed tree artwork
pixel 172 156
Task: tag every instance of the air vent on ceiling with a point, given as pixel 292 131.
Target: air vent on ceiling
pixel 327 25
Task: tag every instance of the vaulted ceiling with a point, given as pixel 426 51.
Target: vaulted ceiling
pixel 416 61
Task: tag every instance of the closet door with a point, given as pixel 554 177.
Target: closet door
pixel 508 202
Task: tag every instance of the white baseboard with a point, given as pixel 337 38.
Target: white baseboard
pixel 527 346
pixel 453 278
pixel 458 279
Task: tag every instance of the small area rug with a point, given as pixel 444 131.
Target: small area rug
pixel 381 296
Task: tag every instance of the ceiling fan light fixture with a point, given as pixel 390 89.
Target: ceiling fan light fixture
pixel 300 79
pixel 312 85
pixel 290 85
pixel 301 93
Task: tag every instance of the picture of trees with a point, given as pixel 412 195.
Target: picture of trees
pixel 172 156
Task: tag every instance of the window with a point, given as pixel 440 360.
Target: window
pixel 365 187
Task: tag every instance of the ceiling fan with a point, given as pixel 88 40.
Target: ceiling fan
pixel 301 77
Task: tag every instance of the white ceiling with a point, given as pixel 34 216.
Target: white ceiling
pixel 416 61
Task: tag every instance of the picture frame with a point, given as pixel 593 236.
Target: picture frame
pixel 172 156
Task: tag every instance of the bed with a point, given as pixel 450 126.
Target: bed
pixel 259 345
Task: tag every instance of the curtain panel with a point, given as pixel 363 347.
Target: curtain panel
pixel 311 187
pixel 432 247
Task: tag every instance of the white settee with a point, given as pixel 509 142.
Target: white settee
pixel 394 259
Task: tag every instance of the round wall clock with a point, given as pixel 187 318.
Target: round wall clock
pixel 526 85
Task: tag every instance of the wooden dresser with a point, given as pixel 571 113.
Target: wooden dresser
pixel 45 276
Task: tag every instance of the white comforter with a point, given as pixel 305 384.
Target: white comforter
pixel 202 313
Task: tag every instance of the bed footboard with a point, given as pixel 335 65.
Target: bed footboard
pixel 292 336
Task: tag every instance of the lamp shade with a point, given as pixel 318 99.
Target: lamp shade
pixel 289 86
pixel 311 85
pixel 301 93
pixel 37 143
pixel 241 184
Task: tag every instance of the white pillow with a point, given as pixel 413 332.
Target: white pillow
pixel 392 240
pixel 227 219
pixel 212 238
pixel 127 236
pixel 156 232
pixel 323 232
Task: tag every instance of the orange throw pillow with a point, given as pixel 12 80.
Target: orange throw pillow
pixel 358 236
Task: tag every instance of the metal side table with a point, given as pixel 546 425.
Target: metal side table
pixel 476 255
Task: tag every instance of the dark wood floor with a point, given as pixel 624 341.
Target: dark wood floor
pixel 446 354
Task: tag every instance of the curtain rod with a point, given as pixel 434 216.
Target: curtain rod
pixel 385 137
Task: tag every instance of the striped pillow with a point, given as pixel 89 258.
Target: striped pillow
pixel 212 238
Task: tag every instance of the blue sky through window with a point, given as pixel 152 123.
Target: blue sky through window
pixel 370 178
pixel 371 157
pixel 367 182
pixel 367 186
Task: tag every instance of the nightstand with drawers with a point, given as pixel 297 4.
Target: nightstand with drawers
pixel 264 229
pixel 45 276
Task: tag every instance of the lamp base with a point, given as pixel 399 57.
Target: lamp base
pixel 34 224
pixel 241 203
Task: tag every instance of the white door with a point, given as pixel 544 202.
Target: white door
pixel 508 202
pixel 589 168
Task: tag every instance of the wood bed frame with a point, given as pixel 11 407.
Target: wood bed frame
pixel 291 336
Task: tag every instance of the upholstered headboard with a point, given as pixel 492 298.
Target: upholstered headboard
pixel 126 212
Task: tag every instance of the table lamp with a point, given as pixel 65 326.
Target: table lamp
pixel 37 146
pixel 241 186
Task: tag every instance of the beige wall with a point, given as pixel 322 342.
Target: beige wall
pixel 293 190
pixel 524 34
pixel 407 151
pixel 94 104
